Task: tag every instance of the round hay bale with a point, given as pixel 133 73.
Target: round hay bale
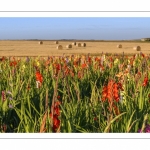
pixel 40 42
pixel 83 44
pixel 138 48
pixel 59 47
pixel 74 43
pixel 56 42
pixel 78 44
pixel 119 46
pixel 69 46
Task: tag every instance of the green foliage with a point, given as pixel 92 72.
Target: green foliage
pixel 82 108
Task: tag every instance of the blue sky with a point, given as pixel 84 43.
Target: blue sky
pixel 98 28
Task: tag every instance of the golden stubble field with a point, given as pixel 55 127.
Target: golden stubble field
pixel 48 48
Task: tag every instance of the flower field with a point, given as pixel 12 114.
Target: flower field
pixel 106 93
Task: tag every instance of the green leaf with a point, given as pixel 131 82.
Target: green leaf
pixel 108 126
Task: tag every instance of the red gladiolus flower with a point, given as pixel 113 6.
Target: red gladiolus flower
pixel 3 96
pixel 142 55
pixel 56 123
pixel 95 118
pixel 56 104
pixel 89 60
pixel 111 91
pixel 75 63
pixel 67 71
pixel 111 59
pixel 79 75
pixel 58 97
pixel 71 73
pixel 13 63
pixel 58 67
pixel 84 66
pixel 57 111
pixel 39 77
pixel 97 59
pixel 101 67
pixel 145 82
pixel 56 114
pixel 3 58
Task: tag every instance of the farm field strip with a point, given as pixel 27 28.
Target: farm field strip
pixel 32 48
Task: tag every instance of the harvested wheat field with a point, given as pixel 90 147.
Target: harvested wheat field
pixel 33 48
